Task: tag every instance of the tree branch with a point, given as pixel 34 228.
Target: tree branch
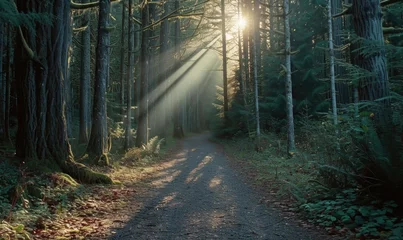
pixel 392 30
pixel 346 11
pixel 81 6
pixel 389 2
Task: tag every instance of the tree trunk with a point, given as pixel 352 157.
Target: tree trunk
pixel 245 43
pixel 142 127
pixel 85 79
pixel 122 57
pixel 3 36
pixel 290 113
pixel 242 67
pixel 367 21
pixel 367 17
pixel 164 31
pixel 130 72
pixel 251 33
pixel 42 133
pixel 98 144
pixel 224 59
pixel 256 48
pixel 332 63
pixel 68 108
pixel 342 88
pixel 178 128
pixel 257 42
pixel 7 86
pixel 153 114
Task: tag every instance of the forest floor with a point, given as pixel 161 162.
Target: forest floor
pixel 193 192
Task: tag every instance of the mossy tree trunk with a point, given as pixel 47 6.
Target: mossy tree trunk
pixel 42 133
pixel 98 144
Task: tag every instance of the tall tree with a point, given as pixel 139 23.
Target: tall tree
pixel 288 82
pixel 178 125
pixel 40 74
pixel 224 59
pixel 164 33
pixel 98 143
pixel 256 62
pixel 367 21
pixel 3 38
pixel 122 56
pixel 85 78
pixel 332 62
pixel 130 72
pixel 7 85
pixel 142 126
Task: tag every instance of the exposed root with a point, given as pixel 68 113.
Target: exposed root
pixel 83 174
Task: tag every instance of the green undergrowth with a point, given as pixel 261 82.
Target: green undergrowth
pixel 344 213
pixel 303 185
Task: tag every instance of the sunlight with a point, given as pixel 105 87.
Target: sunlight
pixel 167 200
pixel 215 182
pixel 193 175
pixel 241 23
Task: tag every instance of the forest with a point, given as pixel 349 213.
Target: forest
pixel 172 119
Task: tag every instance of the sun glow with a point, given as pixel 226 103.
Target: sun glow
pixel 241 23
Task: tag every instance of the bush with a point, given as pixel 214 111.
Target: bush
pixel 9 177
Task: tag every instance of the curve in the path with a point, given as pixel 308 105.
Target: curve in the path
pixel 200 197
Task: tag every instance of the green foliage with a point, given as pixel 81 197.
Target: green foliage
pixel 153 146
pixel 149 150
pixel 345 210
pixel 9 176
pixel 9 14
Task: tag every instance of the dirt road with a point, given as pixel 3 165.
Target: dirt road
pixel 198 196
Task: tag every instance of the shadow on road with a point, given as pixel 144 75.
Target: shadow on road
pixel 198 196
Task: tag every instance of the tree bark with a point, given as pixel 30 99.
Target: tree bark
pixel 7 86
pixel 245 43
pixel 332 62
pixel 68 108
pixel 367 21
pixel 42 133
pixel 85 79
pixel 290 113
pixel 142 127
pixel 256 49
pixel 130 72
pixel 153 114
pixel 98 144
pixel 2 93
pixel 257 41
pixel 224 60
pixel 178 127
pixel 122 58
pixel 164 32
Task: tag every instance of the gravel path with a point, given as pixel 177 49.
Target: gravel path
pixel 198 196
